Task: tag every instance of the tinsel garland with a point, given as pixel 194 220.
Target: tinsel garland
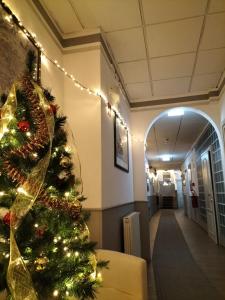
pixel 39 140
pixel 69 207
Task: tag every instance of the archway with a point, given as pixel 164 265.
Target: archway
pixel 214 148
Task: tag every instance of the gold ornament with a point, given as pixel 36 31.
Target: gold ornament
pixel 41 263
pixel 65 161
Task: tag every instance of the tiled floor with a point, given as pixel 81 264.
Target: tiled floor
pixel 208 256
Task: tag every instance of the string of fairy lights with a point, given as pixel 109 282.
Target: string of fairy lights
pixel 111 109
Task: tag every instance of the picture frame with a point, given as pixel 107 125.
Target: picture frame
pixel 14 47
pixel 121 146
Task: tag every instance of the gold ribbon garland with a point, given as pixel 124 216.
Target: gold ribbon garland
pixel 18 276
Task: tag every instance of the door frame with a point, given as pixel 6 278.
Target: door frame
pixel 209 152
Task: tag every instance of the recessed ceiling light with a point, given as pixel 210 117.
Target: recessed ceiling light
pixel 166 157
pixel 176 112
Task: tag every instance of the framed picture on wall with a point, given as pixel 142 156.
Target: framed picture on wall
pixel 14 46
pixel 121 147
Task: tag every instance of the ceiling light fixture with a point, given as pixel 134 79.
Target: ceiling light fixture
pixel 166 157
pixel 176 112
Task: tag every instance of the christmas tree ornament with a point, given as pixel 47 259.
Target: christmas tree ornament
pixel 40 263
pixel 62 175
pixel 7 218
pixel 65 161
pixel 40 232
pixel 23 126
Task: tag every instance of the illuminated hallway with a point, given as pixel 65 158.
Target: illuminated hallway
pixel 187 263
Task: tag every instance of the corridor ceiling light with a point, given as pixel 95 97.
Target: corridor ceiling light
pixel 166 157
pixel 176 112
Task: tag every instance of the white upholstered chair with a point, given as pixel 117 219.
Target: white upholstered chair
pixel 126 278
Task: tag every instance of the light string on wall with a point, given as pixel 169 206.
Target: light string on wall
pixel 111 109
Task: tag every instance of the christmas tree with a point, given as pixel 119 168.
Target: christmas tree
pixel 45 251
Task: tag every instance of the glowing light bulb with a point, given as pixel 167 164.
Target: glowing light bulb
pixel 28 133
pixel 36 225
pixel 65 248
pixel 8 18
pixel 67 194
pixel 21 190
pixel 93 275
pixel 76 253
pixel 55 240
pixel 35 155
pixel 2 193
pixel 68 254
pixel 67 149
pixel 55 293
pixel 67 293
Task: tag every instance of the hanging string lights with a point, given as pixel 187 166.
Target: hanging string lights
pixel 111 109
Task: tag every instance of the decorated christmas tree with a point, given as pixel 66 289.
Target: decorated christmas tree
pixel 45 251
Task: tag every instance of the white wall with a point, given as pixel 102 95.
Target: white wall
pixel 84 116
pixel 117 185
pixel 51 77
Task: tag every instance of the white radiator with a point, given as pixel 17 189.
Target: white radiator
pixel 132 239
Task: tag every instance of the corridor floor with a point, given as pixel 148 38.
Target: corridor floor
pixel 186 263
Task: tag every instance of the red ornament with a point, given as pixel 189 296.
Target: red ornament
pixel 40 232
pixel 7 218
pixel 23 126
pixel 53 108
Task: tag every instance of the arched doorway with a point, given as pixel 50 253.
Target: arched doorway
pixel 202 170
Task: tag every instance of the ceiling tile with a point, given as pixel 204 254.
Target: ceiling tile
pixel 216 6
pixel 157 11
pixel 110 15
pixel 171 87
pixel 172 66
pixel 63 15
pixel 127 45
pixel 214 33
pixel 205 82
pixel 210 61
pixel 174 37
pixel 136 71
pixel 139 91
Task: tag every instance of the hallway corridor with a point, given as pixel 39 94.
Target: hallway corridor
pixel 187 264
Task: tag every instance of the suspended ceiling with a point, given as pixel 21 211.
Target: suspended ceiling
pixel 162 48
pixel 174 136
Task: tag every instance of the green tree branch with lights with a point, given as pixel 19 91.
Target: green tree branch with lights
pixel 52 236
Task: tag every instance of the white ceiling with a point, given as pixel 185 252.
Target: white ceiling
pixel 162 47
pixel 173 136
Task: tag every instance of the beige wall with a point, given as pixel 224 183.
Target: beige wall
pixel 51 77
